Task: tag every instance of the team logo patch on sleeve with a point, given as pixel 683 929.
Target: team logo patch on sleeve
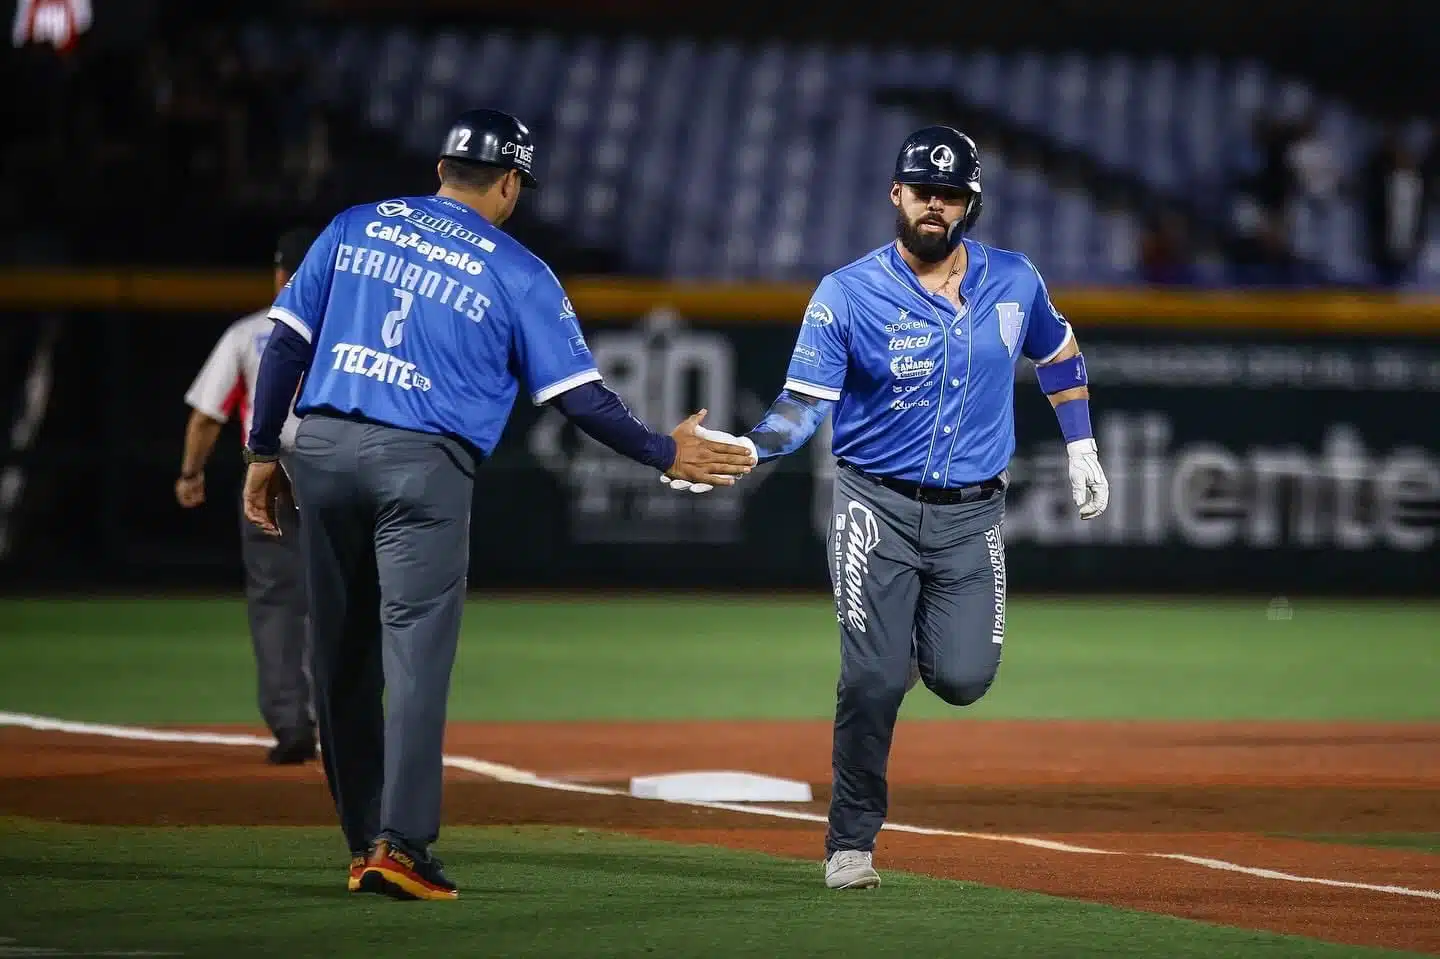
pixel 567 310
pixel 818 314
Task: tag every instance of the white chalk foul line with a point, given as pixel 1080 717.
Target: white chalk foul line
pixel 512 774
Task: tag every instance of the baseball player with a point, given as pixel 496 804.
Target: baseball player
pixel 414 322
pixel 274 577
pixel 914 347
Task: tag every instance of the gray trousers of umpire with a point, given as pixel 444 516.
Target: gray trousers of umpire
pixel 911 580
pixel 276 606
pixel 385 521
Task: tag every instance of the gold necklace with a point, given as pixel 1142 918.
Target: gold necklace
pixel 954 269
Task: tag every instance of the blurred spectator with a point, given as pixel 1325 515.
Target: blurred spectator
pixel 1295 167
pixel 1166 257
pixel 1396 190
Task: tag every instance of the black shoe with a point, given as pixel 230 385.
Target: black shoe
pixel 394 871
pixel 292 749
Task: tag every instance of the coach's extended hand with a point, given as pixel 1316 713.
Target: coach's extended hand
pixel 701 460
pixel 267 488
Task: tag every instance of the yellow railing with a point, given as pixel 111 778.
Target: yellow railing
pixel 609 299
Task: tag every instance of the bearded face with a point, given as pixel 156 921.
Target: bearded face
pixel 925 216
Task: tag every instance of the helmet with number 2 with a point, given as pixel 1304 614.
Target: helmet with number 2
pixel 494 138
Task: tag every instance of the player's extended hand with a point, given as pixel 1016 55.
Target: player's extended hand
pixel 1088 485
pixel 267 489
pixel 702 460
pixel 190 490
pixel 719 436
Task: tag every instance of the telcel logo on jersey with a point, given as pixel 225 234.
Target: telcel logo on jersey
pixel 363 361
pixel 434 224
pixel 909 368
pixel 909 342
pixel 410 240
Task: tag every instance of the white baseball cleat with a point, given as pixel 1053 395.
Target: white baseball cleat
pixel 851 869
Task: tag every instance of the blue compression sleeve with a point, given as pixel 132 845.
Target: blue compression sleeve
pixel 1074 417
pixel 792 419
pixel 283 363
pixel 604 416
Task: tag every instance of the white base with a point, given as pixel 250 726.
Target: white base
pixel 719 787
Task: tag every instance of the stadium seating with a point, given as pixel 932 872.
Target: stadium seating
pixel 771 161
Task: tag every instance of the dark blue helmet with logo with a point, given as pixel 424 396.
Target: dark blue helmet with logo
pixel 494 138
pixel 945 157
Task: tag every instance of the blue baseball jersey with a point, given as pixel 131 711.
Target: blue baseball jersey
pixel 425 316
pixel 925 392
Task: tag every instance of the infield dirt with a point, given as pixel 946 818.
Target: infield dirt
pixel 1130 792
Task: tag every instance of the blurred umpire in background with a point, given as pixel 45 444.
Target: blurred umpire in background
pixel 413 322
pixel 274 575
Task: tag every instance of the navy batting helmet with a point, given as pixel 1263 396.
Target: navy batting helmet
pixel 942 156
pixel 495 138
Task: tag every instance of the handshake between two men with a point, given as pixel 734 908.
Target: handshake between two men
pixel 705 458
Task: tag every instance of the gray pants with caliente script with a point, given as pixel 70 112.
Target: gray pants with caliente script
pixel 912 580
pixel 385 521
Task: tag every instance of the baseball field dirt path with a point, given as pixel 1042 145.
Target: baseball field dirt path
pixel 1184 819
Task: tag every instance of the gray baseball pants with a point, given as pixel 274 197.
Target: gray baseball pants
pixel 385 522
pixel 914 580
pixel 276 606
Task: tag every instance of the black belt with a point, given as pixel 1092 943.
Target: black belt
pixel 935 495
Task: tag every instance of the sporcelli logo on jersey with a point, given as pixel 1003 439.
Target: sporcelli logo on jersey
pixel 909 368
pixel 859 533
pixel 909 342
pixel 433 252
pixel 358 360
pixel 904 323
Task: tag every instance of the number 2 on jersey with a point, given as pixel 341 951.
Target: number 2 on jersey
pixel 394 329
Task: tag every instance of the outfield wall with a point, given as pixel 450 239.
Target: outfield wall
pixel 1254 442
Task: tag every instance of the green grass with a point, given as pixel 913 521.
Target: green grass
pixel 1407 841
pixel 163 660
pixel 555 893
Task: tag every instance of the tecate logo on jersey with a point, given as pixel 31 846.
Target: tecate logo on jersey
pixel 856 536
pixel 434 224
pixel 433 252
pixel 360 360
pixel 909 342
pixel 909 368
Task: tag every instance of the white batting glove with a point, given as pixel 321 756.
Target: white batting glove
pixel 719 436
pixel 1088 485
pixel 683 485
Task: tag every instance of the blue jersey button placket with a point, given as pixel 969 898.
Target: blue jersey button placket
pixel 954 413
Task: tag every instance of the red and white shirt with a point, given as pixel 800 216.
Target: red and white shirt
pixel 227 380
